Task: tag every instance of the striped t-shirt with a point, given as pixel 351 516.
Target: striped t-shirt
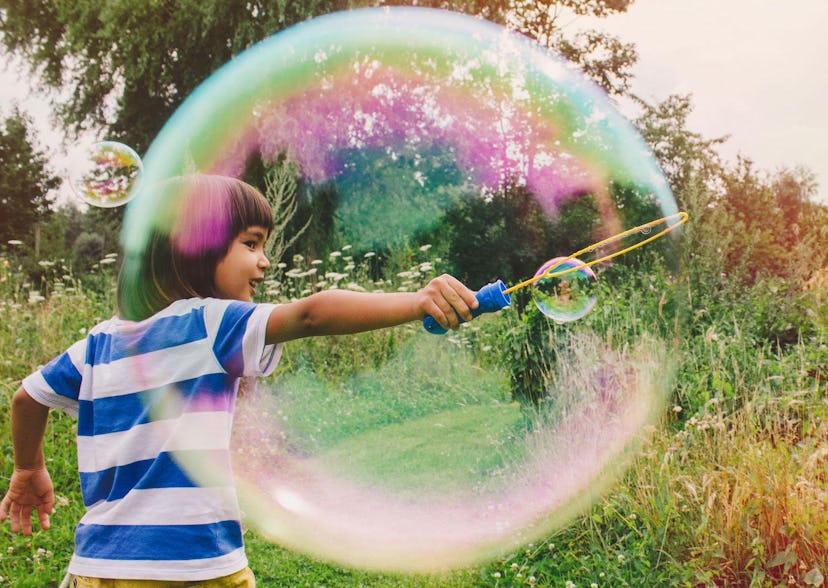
pixel 154 401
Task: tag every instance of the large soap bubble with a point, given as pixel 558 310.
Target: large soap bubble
pixel 404 125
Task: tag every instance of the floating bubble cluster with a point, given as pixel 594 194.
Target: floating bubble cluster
pixel 401 125
pixel 107 175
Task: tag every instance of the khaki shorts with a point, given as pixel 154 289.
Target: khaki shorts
pixel 241 579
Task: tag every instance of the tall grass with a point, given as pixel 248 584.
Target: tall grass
pixel 731 488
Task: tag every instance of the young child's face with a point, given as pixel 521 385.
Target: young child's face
pixel 242 268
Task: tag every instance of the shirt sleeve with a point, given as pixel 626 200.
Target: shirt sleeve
pixel 239 342
pixel 58 383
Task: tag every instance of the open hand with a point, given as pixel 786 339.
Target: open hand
pixel 29 490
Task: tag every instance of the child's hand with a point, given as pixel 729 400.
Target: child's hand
pixel 445 299
pixel 28 490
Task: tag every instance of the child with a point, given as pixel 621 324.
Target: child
pixel 160 380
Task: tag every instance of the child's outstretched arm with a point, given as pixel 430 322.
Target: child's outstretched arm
pixel 340 312
pixel 30 487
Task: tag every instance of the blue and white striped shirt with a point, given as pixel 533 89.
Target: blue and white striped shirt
pixel 154 401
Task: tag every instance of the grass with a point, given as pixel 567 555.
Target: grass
pixel 446 452
pixel 729 489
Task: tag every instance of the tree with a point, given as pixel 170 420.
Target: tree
pixel 601 56
pixel 505 236
pixel 754 239
pixel 24 180
pixel 683 155
pixel 129 64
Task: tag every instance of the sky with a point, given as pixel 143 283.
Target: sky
pixel 755 69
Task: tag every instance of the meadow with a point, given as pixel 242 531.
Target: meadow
pixel 729 487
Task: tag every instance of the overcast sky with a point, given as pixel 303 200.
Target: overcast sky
pixel 756 70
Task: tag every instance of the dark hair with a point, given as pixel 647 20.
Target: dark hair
pixel 191 233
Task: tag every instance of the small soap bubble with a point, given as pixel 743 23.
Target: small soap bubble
pixel 107 174
pixel 566 289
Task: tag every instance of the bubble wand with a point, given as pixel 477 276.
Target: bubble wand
pixel 495 296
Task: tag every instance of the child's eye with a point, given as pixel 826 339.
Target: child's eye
pixel 250 244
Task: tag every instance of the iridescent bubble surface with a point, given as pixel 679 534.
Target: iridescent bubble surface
pixel 566 289
pixel 107 174
pixel 404 127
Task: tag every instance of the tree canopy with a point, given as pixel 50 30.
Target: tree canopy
pixel 129 64
pixel 24 179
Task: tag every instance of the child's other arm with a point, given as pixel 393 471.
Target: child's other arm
pixel 30 487
pixel 340 312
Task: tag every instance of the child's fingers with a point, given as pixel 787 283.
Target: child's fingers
pixel 460 299
pixel 45 509
pixel 437 314
pixel 14 517
pixel 437 307
pixel 26 520
pixel 43 516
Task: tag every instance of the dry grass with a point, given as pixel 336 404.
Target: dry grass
pixel 744 491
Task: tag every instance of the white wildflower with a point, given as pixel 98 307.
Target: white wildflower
pixel 35 296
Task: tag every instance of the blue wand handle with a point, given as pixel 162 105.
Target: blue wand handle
pixel 491 298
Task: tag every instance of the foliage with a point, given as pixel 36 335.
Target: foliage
pixel 754 240
pixel 599 55
pixel 701 504
pixel 128 65
pixel 280 190
pixel 24 181
pixel 505 236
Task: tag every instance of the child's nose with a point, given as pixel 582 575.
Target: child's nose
pixel 264 262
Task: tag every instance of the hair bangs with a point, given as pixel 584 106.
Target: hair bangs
pixel 249 208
